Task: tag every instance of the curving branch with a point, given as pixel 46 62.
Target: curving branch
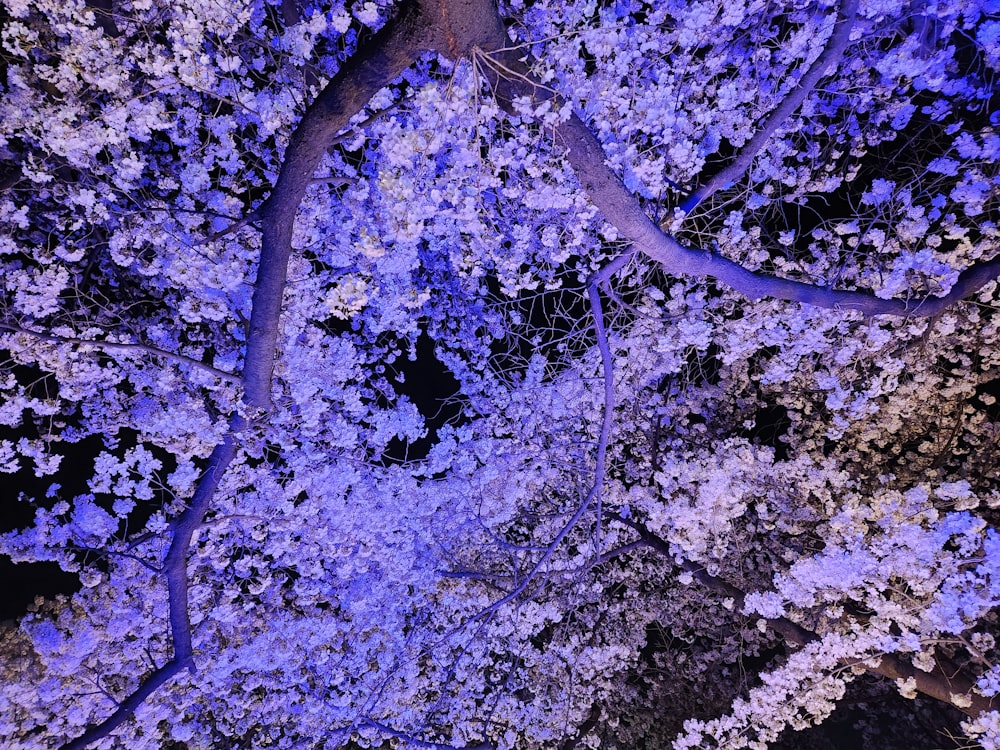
pixel 175 571
pixel 456 28
pixel 623 210
pixel 116 346
pixel 453 27
pixel 510 77
pixel 411 741
pixel 942 683
pixel 827 61
pixel 175 563
pixel 387 55
pixel 127 707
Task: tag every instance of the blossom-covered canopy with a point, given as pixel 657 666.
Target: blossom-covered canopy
pixel 709 290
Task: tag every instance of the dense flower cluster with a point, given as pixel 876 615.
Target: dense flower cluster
pixel 771 466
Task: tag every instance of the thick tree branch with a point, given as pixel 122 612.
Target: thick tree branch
pixel 390 52
pixel 417 27
pixel 511 78
pixel 621 208
pixel 455 27
pixel 175 564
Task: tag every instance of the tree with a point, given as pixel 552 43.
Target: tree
pixel 717 286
